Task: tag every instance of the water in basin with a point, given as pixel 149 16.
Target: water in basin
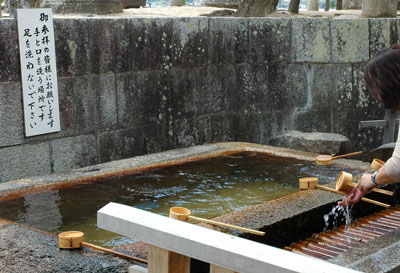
pixel 208 188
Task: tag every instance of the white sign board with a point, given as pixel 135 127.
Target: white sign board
pixel 38 71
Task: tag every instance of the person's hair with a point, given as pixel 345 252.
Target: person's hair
pixel 382 76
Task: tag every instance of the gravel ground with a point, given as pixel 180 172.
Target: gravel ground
pixel 25 250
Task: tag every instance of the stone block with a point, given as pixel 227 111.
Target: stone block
pixel 120 144
pixel 113 52
pixel 315 142
pixel 72 50
pixel 156 137
pixel 294 82
pixel 95 106
pixel 85 106
pixel 144 97
pixel 353 99
pixel 198 92
pixel 256 88
pixel 315 114
pixel 269 40
pixel 350 40
pixel 66 102
pixel 9 61
pixel 11 114
pixel 106 101
pixel 189 132
pixel 73 152
pixel 183 133
pixel 190 42
pixel 229 40
pixel 311 40
pixel 152 44
pixel 381 34
pixel 22 161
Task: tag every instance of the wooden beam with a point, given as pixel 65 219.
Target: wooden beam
pixel 216 248
pixel 217 269
pixel 164 261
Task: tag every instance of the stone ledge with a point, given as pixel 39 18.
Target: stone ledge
pixel 316 142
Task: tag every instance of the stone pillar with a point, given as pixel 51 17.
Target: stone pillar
pixel 313 5
pixel 379 8
pixel 177 2
pixel 352 4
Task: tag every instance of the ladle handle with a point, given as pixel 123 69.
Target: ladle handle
pixel 346 155
pixel 363 198
pixel 375 189
pixel 261 233
pixel 99 248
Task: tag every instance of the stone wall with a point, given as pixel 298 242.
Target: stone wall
pixel 131 86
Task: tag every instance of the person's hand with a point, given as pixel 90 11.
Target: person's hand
pixel 363 187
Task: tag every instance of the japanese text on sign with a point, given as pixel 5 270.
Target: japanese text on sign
pixel 38 71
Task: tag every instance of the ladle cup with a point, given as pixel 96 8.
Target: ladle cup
pixel 344 183
pixel 312 183
pixel 183 214
pixel 327 159
pixel 377 163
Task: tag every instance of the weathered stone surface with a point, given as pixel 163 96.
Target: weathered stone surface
pixel 144 97
pixel 269 40
pixel 198 92
pixel 190 42
pixel 73 152
pixel 9 61
pixel 305 30
pixel 106 101
pixel 78 6
pixel 352 96
pixel 121 144
pixel 228 40
pixel 24 161
pixel 352 4
pixel 72 51
pixel 316 142
pixel 95 105
pixel 381 34
pixel 350 40
pixel 296 82
pixel 111 53
pixel 66 105
pixel 247 88
pixel 26 250
pixel 11 115
pixel 320 81
pixel 85 106
pixel 379 8
pixel 151 47
pixel 256 8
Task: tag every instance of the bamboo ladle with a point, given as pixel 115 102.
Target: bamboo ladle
pixel 377 163
pixel 183 214
pixel 327 159
pixel 344 183
pixel 312 183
